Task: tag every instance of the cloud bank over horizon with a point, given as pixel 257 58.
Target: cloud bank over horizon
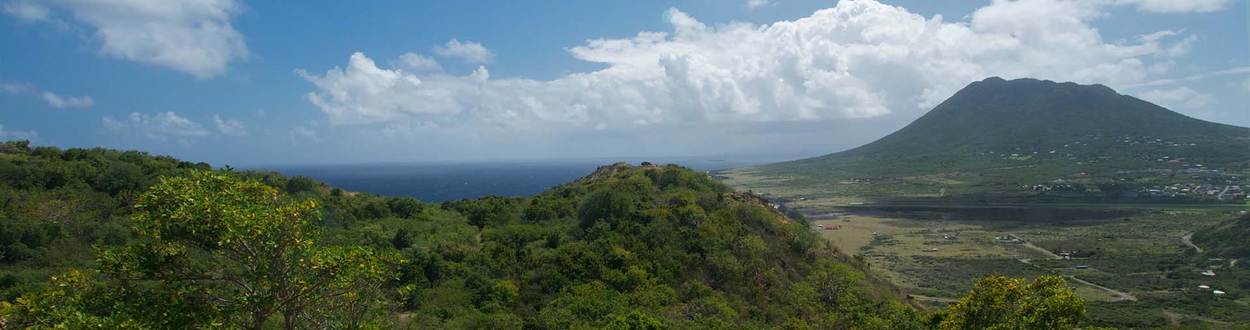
pixel 264 82
pixel 859 59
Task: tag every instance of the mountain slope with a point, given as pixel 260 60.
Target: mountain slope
pixel 1025 132
pixel 1026 115
pixel 1227 239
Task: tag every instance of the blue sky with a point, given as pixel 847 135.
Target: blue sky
pixel 250 83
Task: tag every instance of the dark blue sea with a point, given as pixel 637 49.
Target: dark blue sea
pixel 442 181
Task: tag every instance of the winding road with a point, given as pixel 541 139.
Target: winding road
pixel 936 299
pixel 1120 295
pixel 1188 240
pixel 1046 252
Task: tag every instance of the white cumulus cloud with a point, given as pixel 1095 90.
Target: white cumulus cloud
pixel 192 36
pixel 61 102
pixel 1178 98
pixel 752 4
pixel 858 59
pixel 52 99
pixel 160 126
pixel 468 51
pixel 25 10
pixel 418 63
pixel 1177 6
pixel 229 127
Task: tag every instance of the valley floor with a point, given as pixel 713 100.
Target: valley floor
pixel 1131 263
pixel 1122 266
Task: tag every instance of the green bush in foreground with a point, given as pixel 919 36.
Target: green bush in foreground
pixel 223 251
pixel 998 302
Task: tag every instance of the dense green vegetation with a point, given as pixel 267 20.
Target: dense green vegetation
pixel 106 239
pixel 998 302
pixel 56 205
pixel 216 250
pixel 1230 239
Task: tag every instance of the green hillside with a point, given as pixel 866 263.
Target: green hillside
pixel 1230 239
pixel 1002 136
pixel 103 239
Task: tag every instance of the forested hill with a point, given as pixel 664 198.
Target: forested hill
pixel 1050 127
pixel 94 238
pixel 1229 239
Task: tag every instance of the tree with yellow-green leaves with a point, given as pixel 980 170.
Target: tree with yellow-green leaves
pixel 999 302
pixel 230 252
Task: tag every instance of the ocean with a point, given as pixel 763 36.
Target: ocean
pixel 443 181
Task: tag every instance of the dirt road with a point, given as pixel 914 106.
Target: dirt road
pixel 1187 239
pixel 1120 295
pixel 937 299
pixel 1046 252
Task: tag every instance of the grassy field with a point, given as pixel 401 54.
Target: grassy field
pixel 1126 258
pixel 1134 270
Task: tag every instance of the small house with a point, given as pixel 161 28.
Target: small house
pixel 1082 267
pixel 1208 273
pixel 1218 292
pixel 1008 239
pixel 1204 287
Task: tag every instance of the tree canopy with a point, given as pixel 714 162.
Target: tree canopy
pixel 235 252
pixel 170 244
pixel 999 302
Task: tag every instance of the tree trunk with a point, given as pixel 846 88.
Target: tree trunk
pixel 258 320
pixel 288 320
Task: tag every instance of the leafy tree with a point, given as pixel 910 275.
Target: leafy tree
pixel 212 228
pixel 80 299
pixel 608 205
pixel 117 177
pixel 489 210
pixel 402 239
pixel 301 184
pixel 543 208
pixel 241 251
pixel 18 146
pixel 634 320
pixel 999 302
pixel 404 207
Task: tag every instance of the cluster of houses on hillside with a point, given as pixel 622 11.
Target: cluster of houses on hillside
pixel 1197 191
pixel 1057 185
pixel 1228 188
